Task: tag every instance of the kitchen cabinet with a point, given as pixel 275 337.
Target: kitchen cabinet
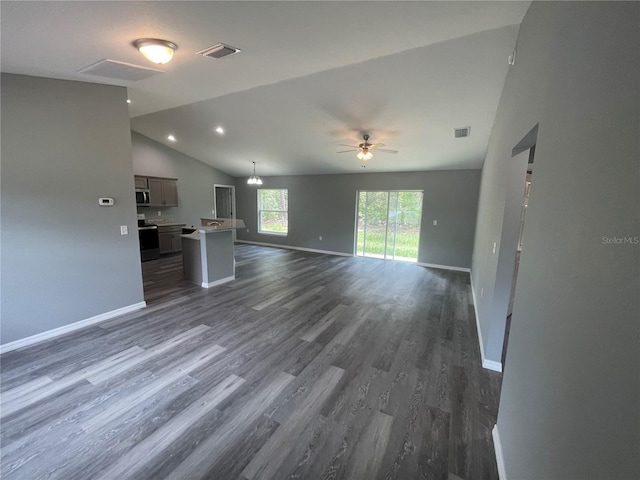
pixel 170 192
pixel 163 192
pixel 170 237
pixel 141 182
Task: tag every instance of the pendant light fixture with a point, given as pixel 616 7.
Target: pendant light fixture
pixel 254 179
pixel 156 50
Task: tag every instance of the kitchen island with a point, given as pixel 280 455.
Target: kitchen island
pixel 207 254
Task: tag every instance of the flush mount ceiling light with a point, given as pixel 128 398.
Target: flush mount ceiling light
pixel 171 138
pixel 254 179
pixel 156 50
pixel 220 130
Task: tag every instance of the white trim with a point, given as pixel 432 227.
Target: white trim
pixel 497 446
pixel 328 252
pixel 444 267
pixel 488 364
pixel 56 332
pixel 492 365
pixel 218 282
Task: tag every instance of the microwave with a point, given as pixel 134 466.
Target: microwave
pixel 142 196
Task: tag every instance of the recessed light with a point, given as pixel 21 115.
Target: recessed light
pixel 128 100
pixel 220 130
pixel 171 138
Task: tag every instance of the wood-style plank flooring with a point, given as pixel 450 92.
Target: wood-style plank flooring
pixel 305 367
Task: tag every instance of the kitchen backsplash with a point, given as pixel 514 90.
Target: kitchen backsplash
pixel 151 215
pixel 168 215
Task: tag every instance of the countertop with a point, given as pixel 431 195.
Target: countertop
pixel 221 223
pixel 168 224
pixel 204 230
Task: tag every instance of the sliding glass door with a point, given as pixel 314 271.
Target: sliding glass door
pixel 388 224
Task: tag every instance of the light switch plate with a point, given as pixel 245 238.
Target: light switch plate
pixel 124 230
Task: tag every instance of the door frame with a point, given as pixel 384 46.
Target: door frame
pixel 233 202
pixel 233 199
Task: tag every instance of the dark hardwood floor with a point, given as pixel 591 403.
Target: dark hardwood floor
pixel 305 367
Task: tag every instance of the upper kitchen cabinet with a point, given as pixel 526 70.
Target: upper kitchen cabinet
pixel 170 192
pixel 163 192
pixel 141 182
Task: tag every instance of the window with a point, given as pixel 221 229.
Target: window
pixel 273 211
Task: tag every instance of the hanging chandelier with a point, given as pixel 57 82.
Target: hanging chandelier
pixel 254 179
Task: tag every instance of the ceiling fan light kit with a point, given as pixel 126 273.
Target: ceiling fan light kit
pixel 365 154
pixel 365 150
pixel 254 179
pixel 156 50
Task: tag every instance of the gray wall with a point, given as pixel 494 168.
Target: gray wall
pixel 570 392
pixel 195 180
pixel 64 144
pixel 325 205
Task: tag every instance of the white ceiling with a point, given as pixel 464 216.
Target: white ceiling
pixel 310 75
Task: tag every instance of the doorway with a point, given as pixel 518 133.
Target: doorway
pixel 523 211
pixel 388 224
pixel 224 202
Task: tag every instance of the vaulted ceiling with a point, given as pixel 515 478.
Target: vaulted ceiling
pixel 311 76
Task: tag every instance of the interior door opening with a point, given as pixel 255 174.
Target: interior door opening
pixel 388 224
pixel 516 266
pixel 224 202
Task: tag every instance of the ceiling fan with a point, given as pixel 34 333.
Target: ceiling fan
pixel 365 150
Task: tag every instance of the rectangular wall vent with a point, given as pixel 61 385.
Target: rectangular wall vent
pixel 462 132
pixel 218 51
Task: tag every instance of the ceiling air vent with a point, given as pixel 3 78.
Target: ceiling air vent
pixel 218 51
pixel 119 70
pixel 462 132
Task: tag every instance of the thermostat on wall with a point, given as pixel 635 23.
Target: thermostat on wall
pixel 105 202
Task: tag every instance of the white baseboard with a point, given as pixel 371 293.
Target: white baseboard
pixel 289 247
pixel 56 332
pixel 444 267
pixel 488 364
pixel 492 365
pixel 497 446
pixel 218 282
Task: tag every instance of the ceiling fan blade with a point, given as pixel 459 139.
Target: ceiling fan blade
pixel 350 146
pixel 345 151
pixel 384 150
pixel 376 145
